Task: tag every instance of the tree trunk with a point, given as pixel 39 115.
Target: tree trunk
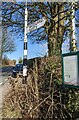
pixel 56 31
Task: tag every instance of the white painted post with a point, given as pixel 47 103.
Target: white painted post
pixel 25 48
pixel 73 29
pixel 39 23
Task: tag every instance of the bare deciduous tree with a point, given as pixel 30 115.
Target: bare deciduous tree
pixel 8 44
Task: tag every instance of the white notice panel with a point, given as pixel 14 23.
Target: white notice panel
pixel 70 70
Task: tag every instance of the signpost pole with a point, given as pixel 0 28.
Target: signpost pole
pixel 25 48
pixel 39 23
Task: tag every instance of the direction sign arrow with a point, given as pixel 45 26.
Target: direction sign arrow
pixel 39 23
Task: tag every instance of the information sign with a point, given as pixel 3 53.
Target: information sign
pixel 71 68
pixel 39 23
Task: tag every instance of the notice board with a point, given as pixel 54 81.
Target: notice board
pixel 70 68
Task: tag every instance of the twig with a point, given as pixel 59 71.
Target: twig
pixel 40 103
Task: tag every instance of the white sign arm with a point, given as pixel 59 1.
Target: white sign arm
pixel 39 23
